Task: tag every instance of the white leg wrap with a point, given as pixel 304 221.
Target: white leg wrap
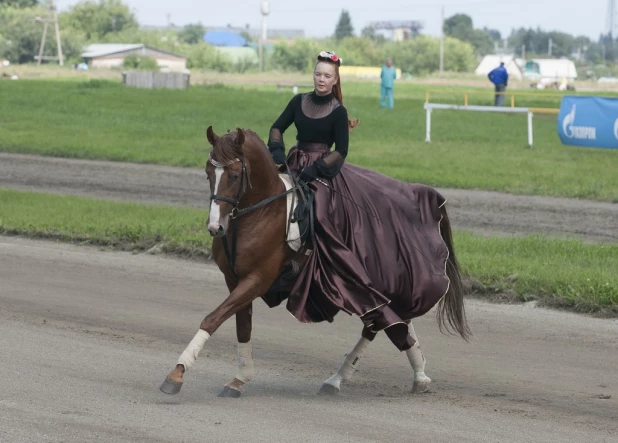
pixel 417 359
pixel 188 357
pixel 349 364
pixel 245 362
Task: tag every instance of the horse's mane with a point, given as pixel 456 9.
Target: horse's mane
pixel 227 150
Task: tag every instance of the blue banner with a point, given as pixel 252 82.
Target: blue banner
pixel 589 121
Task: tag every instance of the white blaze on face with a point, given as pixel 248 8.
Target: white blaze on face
pixel 215 214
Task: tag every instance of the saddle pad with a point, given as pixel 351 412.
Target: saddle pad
pixel 293 235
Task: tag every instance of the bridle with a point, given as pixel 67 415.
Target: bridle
pixel 236 213
pixel 244 176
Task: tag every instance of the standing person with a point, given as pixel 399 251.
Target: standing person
pixel 388 75
pixel 377 252
pixel 500 78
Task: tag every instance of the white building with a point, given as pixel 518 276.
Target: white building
pixel 110 55
pixel 550 70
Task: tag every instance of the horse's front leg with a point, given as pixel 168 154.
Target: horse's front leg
pixel 347 368
pixel 245 358
pixel 247 290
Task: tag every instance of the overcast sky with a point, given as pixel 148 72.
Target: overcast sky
pixel 319 17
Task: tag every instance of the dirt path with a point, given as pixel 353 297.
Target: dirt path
pixel 478 211
pixel 86 337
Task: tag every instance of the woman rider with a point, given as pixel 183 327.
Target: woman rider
pixel 377 251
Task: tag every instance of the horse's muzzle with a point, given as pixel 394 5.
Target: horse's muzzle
pixel 216 230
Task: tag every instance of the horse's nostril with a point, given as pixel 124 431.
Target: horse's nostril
pixel 220 230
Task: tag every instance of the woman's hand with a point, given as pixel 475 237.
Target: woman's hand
pixel 309 174
pixel 278 156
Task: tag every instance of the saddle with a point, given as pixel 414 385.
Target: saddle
pixel 300 233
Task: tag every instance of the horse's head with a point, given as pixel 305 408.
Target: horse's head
pixel 228 174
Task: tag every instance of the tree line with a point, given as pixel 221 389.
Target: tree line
pixel 112 21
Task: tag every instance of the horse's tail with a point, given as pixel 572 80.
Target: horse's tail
pixel 450 313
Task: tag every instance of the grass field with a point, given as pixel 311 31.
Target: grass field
pixel 99 119
pixel 566 273
pixel 124 226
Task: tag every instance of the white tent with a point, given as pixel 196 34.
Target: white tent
pixel 491 62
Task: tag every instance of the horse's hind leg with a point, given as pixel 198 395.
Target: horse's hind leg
pixel 244 357
pixel 345 371
pixel 417 361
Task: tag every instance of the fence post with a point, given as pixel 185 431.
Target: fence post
pixel 512 100
pixel 530 128
pixel 428 126
pixel 465 99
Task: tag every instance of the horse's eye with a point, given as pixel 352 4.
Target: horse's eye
pixel 235 177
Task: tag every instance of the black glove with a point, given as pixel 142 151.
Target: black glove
pixel 308 174
pixel 278 156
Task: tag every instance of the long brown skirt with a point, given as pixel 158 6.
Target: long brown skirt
pixel 378 252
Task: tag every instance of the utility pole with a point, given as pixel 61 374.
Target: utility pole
pixel 550 45
pixel 523 52
pixel 610 23
pixel 610 17
pixel 46 22
pixel 265 10
pixel 442 43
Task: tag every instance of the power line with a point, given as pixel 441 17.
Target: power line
pixel 408 5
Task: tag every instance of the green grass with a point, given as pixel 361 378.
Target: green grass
pixel 125 226
pixel 557 272
pixel 102 120
pixel 566 273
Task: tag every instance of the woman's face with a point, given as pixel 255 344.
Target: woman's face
pixel 324 78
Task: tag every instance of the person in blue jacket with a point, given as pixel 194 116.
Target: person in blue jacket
pixel 500 78
pixel 388 75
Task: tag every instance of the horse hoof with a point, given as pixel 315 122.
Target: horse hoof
pixel 420 387
pixel 327 389
pixel 170 387
pixel 229 392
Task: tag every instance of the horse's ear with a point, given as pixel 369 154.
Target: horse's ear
pixel 240 137
pixel 212 137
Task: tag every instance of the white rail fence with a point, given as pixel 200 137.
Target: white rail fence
pixel 429 107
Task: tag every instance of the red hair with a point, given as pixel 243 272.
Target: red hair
pixel 352 122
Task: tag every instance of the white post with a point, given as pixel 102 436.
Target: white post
pixel 428 126
pixel 530 128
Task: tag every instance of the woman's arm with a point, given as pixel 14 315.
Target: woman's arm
pixel 275 138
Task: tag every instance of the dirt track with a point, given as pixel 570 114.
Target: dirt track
pixel 87 336
pixel 479 211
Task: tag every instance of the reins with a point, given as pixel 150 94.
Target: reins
pixel 236 212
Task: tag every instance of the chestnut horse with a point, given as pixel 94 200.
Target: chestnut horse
pixel 248 222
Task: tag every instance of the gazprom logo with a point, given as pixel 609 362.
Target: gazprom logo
pixel 580 132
